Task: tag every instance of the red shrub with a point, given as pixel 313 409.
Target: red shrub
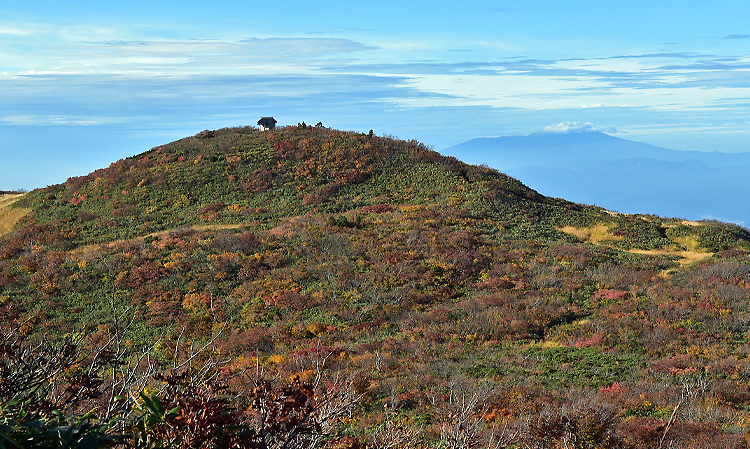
pixel 215 207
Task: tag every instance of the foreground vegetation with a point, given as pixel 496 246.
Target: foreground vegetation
pixel 311 287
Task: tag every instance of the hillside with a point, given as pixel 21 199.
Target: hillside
pixel 411 298
pixel 619 174
pixel 236 176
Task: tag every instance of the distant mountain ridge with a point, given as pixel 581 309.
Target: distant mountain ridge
pixel 619 174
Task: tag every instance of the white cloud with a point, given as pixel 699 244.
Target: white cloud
pixel 577 127
pixel 14 31
pixel 48 120
pixel 105 70
pixel 182 57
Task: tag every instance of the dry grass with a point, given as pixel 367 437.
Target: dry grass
pixel 683 222
pixel 217 227
pixel 548 344
pixel 599 233
pixel 87 251
pixel 689 243
pixel 8 215
pixel 196 228
pixel 687 257
pixel 594 234
pixel 690 253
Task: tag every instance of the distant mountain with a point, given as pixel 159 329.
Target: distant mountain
pixel 619 174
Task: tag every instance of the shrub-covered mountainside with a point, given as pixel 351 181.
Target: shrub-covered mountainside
pixel 308 287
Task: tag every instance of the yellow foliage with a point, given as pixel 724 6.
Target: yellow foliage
pixel 316 328
pixel 121 275
pixel 193 302
pixel 352 295
pixel 471 338
pixel 74 370
pixel 410 208
pixel 181 201
pixel 304 376
pixel 272 360
pixel 348 420
pixel 27 328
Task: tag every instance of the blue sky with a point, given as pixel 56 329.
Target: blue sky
pixel 85 83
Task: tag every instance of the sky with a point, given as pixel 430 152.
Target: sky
pixel 85 83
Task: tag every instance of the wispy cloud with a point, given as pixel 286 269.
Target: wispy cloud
pixel 662 55
pixel 181 57
pixel 47 120
pixel 576 127
pixel 14 30
pixel 658 81
pixel 111 74
pixel 86 100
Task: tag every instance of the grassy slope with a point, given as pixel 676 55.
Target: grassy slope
pixel 261 178
pixel 236 176
pixel 242 180
pixel 419 268
pixel 9 216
